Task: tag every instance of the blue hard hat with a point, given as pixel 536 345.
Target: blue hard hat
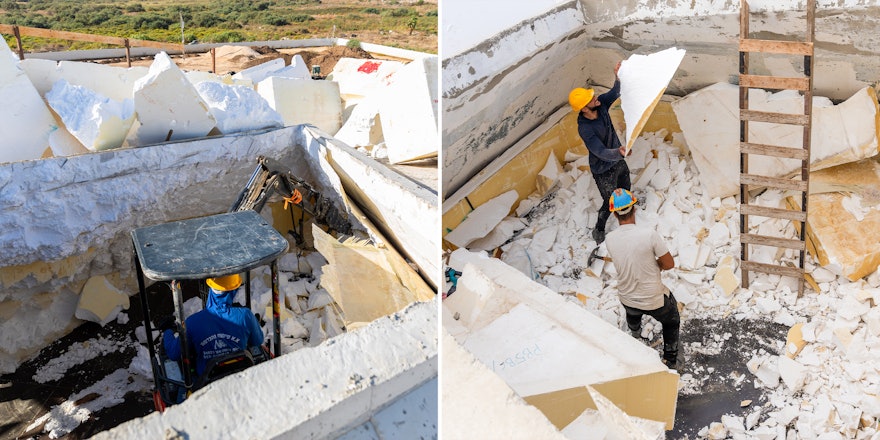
pixel 620 201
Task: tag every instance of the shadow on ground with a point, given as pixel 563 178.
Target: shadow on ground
pixel 721 380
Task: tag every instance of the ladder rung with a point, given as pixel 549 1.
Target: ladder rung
pixel 774 82
pixel 764 240
pixel 773 150
pixel 793 272
pixel 773 182
pixel 773 118
pixel 776 46
pixel 764 211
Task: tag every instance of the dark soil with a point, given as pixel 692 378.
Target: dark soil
pixel 721 393
pixel 23 400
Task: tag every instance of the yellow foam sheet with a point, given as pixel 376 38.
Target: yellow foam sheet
pixel 643 80
pixel 838 236
pixel 367 282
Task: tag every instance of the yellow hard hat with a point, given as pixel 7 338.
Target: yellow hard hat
pixel 224 283
pixel 579 98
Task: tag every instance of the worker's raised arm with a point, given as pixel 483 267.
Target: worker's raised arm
pixel 666 261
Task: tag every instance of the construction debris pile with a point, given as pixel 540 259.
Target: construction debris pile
pixel 75 107
pixel 819 383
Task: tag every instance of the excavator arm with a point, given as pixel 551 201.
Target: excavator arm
pixel 271 177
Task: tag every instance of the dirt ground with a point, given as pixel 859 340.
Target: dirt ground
pixel 23 400
pixel 233 59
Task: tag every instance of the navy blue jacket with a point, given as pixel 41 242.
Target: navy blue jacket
pixel 217 330
pixel 599 135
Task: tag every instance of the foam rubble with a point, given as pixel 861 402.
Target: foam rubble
pixel 829 388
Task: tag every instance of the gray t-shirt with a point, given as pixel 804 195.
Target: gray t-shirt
pixel 635 250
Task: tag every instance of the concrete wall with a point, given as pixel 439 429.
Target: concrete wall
pixel 505 86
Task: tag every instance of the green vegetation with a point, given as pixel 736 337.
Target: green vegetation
pixel 220 20
pixel 354 43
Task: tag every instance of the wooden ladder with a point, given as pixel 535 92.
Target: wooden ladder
pixel 805 85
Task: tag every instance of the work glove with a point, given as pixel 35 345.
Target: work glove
pixel 169 323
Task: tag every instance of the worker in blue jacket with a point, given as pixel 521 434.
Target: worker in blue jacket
pixel 607 155
pixel 219 328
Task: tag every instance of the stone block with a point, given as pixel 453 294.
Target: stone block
pixel 238 108
pixel 100 301
pixel 168 106
pixel 304 102
pixel 409 112
pixel 98 122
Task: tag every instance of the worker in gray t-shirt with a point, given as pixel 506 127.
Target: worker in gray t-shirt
pixel 639 255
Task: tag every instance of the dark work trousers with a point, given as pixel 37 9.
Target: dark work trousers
pixel 669 319
pixel 616 177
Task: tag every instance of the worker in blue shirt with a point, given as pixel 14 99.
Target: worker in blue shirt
pixel 607 155
pixel 218 329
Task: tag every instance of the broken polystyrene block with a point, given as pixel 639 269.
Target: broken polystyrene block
pixel 168 106
pixel 359 78
pixel 725 278
pixel 643 80
pixel 261 71
pixel 362 127
pixel 317 335
pixel 98 122
pixel 408 112
pixel 794 341
pixel 548 177
pixel 840 134
pixel 318 299
pixel 113 82
pixel 237 108
pixel 200 76
pixel 793 374
pixel 499 235
pixel 291 328
pixel 27 124
pixel 100 301
pixel 842 337
pixel 304 102
pixel 296 70
pixel 42 73
pixel 482 220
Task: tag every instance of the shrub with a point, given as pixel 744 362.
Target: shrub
pixel 354 43
pixel 275 20
pixel 135 7
pixel 372 11
pixel 226 37
pixel 301 18
pixel 399 12
pixel 431 13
